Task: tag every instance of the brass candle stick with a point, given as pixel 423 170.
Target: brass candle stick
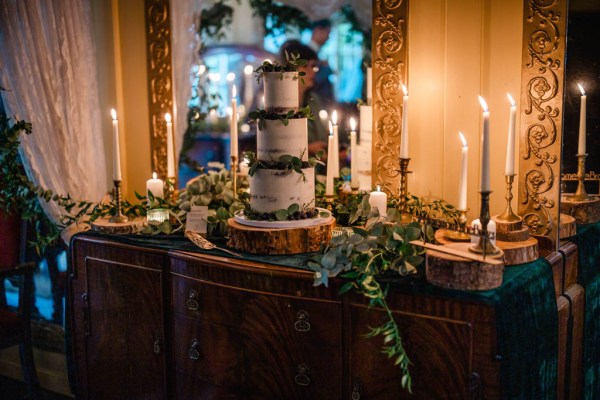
pixel 508 215
pixel 234 166
pixel 459 234
pixel 484 246
pixel 404 182
pixel 329 200
pixel 580 194
pixel 118 217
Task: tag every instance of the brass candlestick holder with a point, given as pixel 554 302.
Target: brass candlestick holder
pixel 580 193
pixel 508 215
pixel 118 218
pixel 459 234
pixel 234 167
pixel 404 182
pixel 329 200
pixel 484 246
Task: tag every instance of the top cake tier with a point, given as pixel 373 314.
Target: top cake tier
pixel 281 91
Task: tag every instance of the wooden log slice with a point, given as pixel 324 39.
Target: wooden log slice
pixel 521 252
pixel 123 228
pixel 279 241
pixel 506 227
pixel 585 212
pixel 567 226
pixel 452 272
pixel 518 235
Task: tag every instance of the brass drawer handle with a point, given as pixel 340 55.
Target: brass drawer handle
pixel 302 324
pixel 302 378
pixel 193 352
pixel 192 301
pixel 156 345
pixel 356 391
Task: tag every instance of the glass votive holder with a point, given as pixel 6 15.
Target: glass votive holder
pixel 157 215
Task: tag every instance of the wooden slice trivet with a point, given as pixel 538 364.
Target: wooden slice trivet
pixel 521 252
pixel 567 226
pixel 279 241
pixel 123 228
pixel 453 272
pixel 585 212
pixel 511 231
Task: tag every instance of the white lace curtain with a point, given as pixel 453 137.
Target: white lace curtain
pixel 48 62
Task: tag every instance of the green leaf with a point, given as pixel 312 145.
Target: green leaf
pixel 281 215
pixel 329 259
pixel 293 208
pixel 346 287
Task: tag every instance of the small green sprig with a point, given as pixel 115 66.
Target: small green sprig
pixel 285 162
pixel 293 62
pixel 259 116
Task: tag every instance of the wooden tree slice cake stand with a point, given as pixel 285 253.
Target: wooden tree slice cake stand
pixel 119 228
pixel 453 272
pixel 279 241
pixel 584 211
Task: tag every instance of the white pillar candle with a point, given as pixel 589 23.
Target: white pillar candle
pixel 353 155
pixel 234 127
pixel 248 92
pixel 116 148
pixel 330 163
pixel 485 148
pixel 378 199
pixel 510 146
pixel 369 85
pixel 155 186
pixel 336 145
pixel 170 148
pixel 404 133
pixel 462 187
pixel 582 116
pixel 244 167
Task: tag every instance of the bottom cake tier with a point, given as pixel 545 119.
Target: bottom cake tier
pixel 272 190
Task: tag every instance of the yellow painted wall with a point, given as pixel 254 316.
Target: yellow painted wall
pixel 121 53
pixel 459 49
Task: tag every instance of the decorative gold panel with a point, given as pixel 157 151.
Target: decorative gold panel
pixel 390 70
pixel 542 86
pixel 160 88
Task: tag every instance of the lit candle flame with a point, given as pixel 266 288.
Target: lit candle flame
pixel 154 175
pixel 511 100
pixel 483 103
pixel 404 89
pixel 113 114
pixel 462 139
pixel 330 129
pixel 168 118
pixel 581 88
pixel 352 124
pixel 233 91
pixel 379 188
pixel 334 117
pixel 248 69
pixel 201 69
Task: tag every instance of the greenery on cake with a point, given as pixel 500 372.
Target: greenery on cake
pixel 292 63
pixel 259 116
pixel 285 162
pixel 294 212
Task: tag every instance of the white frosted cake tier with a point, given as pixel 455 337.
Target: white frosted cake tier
pixel 281 90
pixel 272 190
pixel 277 139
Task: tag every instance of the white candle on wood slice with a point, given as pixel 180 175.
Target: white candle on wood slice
pixel 170 147
pixel 404 133
pixel 485 148
pixel 353 155
pixel 510 146
pixel 336 158
pixel 234 125
pixel 378 199
pixel 582 123
pixel 155 186
pixel 116 148
pixel 330 163
pixel 462 188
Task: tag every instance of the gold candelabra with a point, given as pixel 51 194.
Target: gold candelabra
pixel 459 234
pixel 508 215
pixel 234 166
pixel 484 246
pixel 118 217
pixel 580 194
pixel 404 182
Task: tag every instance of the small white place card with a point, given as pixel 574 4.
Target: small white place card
pixel 196 219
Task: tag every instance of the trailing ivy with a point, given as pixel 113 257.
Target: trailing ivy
pixel 260 116
pixel 292 64
pixel 285 162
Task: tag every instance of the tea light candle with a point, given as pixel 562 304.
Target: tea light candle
pixel 353 155
pixel 155 186
pixel 582 123
pixel 157 215
pixel 330 163
pixel 116 149
pixel 510 147
pixel 485 148
pixel 170 148
pixel 462 187
pixel 379 199
pixel 336 145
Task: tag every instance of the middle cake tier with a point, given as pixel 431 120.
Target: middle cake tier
pixel 276 139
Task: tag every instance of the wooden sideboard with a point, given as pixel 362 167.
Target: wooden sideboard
pixel 149 323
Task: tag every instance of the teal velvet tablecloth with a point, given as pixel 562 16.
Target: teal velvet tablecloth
pixel 525 307
pixel 588 243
